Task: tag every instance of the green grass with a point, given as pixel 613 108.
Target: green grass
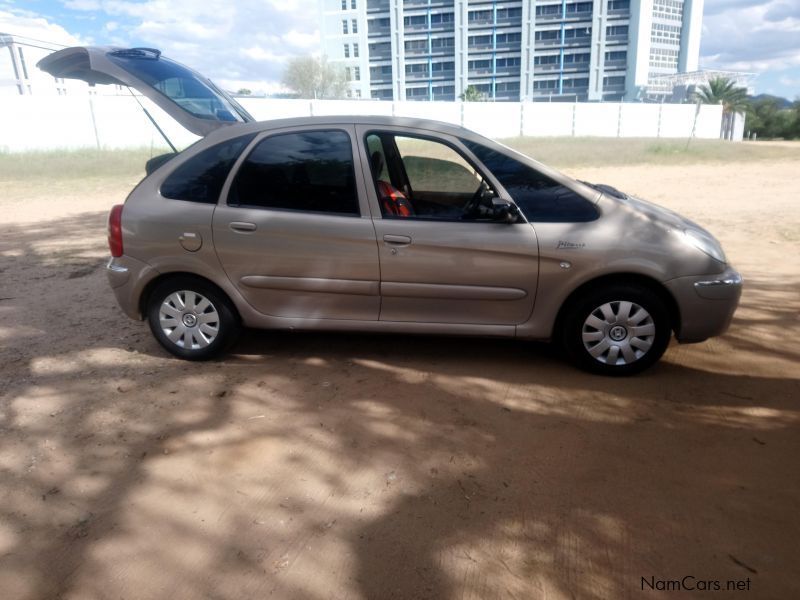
pixel 75 164
pixel 599 152
pixel 39 168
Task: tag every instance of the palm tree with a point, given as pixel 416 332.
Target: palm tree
pixel 471 94
pixel 723 90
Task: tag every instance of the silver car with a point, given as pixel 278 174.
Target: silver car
pixel 382 224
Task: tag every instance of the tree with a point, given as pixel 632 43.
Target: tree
pixel 472 94
pixel 243 92
pixel 312 77
pixel 767 118
pixel 722 90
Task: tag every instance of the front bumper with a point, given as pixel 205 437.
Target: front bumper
pixel 706 304
pixel 128 278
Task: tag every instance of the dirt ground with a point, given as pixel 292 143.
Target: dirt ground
pixel 344 466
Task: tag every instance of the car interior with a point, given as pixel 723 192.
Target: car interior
pixel 425 179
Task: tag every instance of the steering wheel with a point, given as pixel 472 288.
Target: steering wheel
pixel 471 206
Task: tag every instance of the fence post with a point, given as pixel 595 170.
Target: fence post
pixel 521 119
pixel 660 108
pixel 619 120
pixel 310 108
pixel 574 116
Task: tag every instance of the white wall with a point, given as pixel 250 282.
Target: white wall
pixel 48 122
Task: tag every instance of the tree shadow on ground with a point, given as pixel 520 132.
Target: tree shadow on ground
pixel 318 466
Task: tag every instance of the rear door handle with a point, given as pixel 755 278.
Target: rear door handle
pixel 397 240
pixel 243 227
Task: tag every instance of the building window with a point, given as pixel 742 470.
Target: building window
pixel 442 18
pixel 576 83
pixel 579 7
pixel 353 4
pixel 441 43
pixel 542 36
pixel 355 50
pixel 347 50
pixel 357 73
pixel 617 30
pixel 344 4
pixel 583 32
pixel 344 26
pixel 548 9
pixel 479 40
pixel 355 26
pixel 576 58
pixel 617 81
pixel 548 84
pixel 548 59
pixel 347 74
pixel 617 55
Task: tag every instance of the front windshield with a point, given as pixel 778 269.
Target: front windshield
pixel 181 85
pixel 540 198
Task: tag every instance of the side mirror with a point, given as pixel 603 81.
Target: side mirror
pixel 504 211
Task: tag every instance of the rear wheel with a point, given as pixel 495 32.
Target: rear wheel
pixel 617 330
pixel 191 318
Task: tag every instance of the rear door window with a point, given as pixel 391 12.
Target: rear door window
pixel 305 171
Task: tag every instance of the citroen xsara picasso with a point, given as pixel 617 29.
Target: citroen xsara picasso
pixel 389 225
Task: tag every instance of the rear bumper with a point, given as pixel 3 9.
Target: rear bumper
pixel 706 303
pixel 128 278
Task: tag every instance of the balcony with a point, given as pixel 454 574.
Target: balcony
pixel 374 6
pixel 375 55
pixel 377 32
pixel 547 67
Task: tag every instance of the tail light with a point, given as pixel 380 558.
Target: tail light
pixel 115 231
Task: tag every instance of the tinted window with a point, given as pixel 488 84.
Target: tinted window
pixel 200 179
pixel 311 171
pixel 179 84
pixel 540 198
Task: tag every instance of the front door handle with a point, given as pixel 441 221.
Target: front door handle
pixel 243 226
pixel 397 240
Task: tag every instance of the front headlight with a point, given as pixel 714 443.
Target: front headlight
pixel 705 242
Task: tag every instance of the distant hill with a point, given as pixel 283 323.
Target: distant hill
pixel 782 102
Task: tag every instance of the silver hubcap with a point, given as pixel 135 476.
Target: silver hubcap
pixel 189 320
pixel 618 333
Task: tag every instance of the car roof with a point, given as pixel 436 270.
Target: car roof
pixel 376 120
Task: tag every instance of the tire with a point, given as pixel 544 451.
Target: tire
pixel 191 318
pixel 619 329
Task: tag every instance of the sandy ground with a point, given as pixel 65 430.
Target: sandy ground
pixel 343 466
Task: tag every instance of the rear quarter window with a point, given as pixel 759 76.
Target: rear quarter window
pixel 200 179
pixel 540 198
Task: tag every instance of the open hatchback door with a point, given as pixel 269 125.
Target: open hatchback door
pixel 188 97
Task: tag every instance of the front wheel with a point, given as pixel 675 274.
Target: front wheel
pixel 616 330
pixel 191 318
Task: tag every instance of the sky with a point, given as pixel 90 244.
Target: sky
pixel 246 43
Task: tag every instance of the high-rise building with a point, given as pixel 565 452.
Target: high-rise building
pixel 510 50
